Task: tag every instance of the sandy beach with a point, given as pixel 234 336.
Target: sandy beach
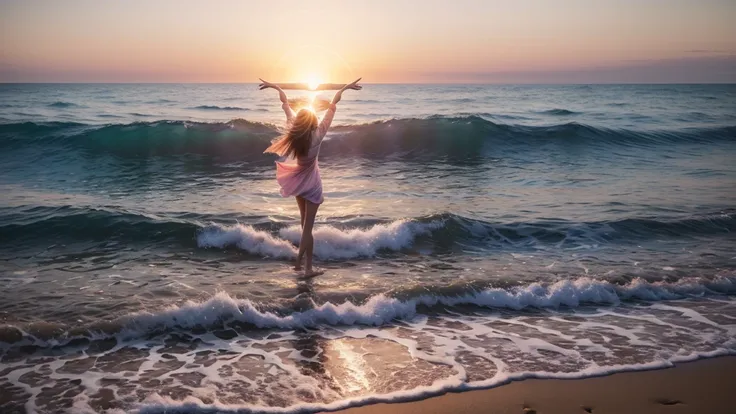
pixel 705 386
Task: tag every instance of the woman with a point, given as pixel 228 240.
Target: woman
pixel 297 171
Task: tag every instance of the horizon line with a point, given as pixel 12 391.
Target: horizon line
pixel 372 83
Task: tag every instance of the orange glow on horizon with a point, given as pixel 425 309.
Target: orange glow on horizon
pixel 338 41
pixel 313 84
pixel 311 65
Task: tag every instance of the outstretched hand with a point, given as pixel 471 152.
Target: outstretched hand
pixel 265 85
pixel 353 85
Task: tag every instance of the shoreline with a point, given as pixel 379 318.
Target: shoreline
pixel 704 385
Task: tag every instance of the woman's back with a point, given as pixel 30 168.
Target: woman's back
pixel 317 135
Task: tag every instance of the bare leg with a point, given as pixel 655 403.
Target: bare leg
pixel 302 203
pixel 302 208
pixel 306 247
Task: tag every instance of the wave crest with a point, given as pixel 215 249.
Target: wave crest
pixel 61 104
pixel 222 309
pixel 433 136
pixel 334 241
pixel 558 112
pixel 330 242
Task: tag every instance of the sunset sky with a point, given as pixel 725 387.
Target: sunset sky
pixel 538 41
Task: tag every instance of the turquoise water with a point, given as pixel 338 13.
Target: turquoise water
pixel 457 220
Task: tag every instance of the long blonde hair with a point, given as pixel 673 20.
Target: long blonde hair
pixel 298 140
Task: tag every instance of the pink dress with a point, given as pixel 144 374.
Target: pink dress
pixel 300 176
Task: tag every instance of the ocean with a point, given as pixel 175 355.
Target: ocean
pixel 471 235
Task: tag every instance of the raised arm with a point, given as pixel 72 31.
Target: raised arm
pixel 282 96
pixel 353 85
pixel 324 123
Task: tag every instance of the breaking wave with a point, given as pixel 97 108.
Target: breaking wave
pixel 223 311
pixel 434 136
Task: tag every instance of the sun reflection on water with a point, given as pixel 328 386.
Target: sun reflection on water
pixel 355 378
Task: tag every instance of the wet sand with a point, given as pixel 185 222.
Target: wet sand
pixel 705 386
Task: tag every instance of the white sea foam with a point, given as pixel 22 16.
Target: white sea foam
pixel 157 404
pixel 329 242
pixel 292 370
pixel 381 309
pixel 246 238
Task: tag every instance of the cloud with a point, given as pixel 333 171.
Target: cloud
pixel 707 51
pixel 705 69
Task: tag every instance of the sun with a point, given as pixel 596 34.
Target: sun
pixel 313 82
pixel 309 64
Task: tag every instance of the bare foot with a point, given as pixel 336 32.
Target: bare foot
pixel 312 273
